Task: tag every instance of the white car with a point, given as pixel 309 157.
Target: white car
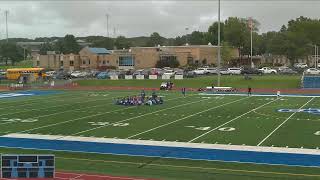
pixel 267 70
pixel 212 70
pixel 169 73
pixel 200 71
pixel 50 73
pixel 234 70
pixel 300 65
pixel 77 74
pixel 312 71
pixel 224 71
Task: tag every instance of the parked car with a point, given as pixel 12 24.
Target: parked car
pixel 312 71
pixel 50 73
pixel 103 75
pixel 234 70
pixel 251 71
pixel 287 71
pixel 190 74
pixel 170 73
pixel 267 70
pixel 300 65
pixel 78 74
pixel 224 71
pixel 211 70
pixel 62 75
pixel 200 71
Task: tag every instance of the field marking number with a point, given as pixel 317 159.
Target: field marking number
pixel 199 128
pixel 28 120
pixel 108 123
pixel 227 129
pixel 317 133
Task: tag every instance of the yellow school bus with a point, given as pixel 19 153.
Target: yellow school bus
pixel 16 73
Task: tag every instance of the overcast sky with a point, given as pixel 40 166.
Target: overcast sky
pixel 32 19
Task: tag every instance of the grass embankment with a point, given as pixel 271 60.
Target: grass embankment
pixel 266 81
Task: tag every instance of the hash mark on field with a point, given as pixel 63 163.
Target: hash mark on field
pixel 284 122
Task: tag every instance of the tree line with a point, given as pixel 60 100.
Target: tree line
pixel 293 41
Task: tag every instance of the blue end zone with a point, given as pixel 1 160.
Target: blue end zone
pixel 26 93
pixel 289 159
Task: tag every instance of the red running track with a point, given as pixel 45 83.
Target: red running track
pixel 81 176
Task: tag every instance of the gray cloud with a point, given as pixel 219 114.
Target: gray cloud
pixel 141 18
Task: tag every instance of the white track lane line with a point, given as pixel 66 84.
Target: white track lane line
pixel 231 120
pixel 283 123
pixel 186 117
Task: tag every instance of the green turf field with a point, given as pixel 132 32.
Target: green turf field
pixel 237 81
pixel 236 120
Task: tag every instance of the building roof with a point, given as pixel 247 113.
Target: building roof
pixel 99 50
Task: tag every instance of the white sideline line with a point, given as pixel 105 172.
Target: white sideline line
pixel 28 130
pixel 46 98
pixel 260 95
pixel 69 104
pixel 186 117
pixel 125 120
pixel 61 112
pixel 231 121
pixel 283 123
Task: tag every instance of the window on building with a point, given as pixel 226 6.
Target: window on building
pixel 190 60
pixel 71 63
pixel 89 61
pixel 83 62
pixel 108 61
pixel 61 63
pixel 126 61
pixel 38 63
pixel 168 58
pixel 103 62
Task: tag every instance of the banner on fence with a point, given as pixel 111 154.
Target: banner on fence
pixel 128 77
pixel 153 77
pixel 178 77
pixel 166 76
pixel 139 76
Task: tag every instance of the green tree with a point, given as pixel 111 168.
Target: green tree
pixel 212 34
pixel 70 45
pixel 46 47
pixel 197 38
pixel 106 42
pixel 155 40
pixel 122 42
pixel 11 52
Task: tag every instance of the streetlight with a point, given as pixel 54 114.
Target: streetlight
pixel 187 35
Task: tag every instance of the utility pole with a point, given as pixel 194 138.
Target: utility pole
pixel 251 30
pixel 187 29
pixel 6 12
pixel 219 48
pixel 315 56
pixel 107 15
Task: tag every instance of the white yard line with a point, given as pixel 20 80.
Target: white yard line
pixel 283 123
pixel 128 119
pixel 192 140
pixel 69 104
pixel 77 119
pixel 186 117
pixel 61 112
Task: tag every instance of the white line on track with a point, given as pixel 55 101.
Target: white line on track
pixel 283 123
pixel 128 119
pixel 77 119
pixel 186 117
pixel 231 120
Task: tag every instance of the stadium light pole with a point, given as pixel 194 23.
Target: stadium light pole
pixel 219 48
pixel 6 12
pixel 107 15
